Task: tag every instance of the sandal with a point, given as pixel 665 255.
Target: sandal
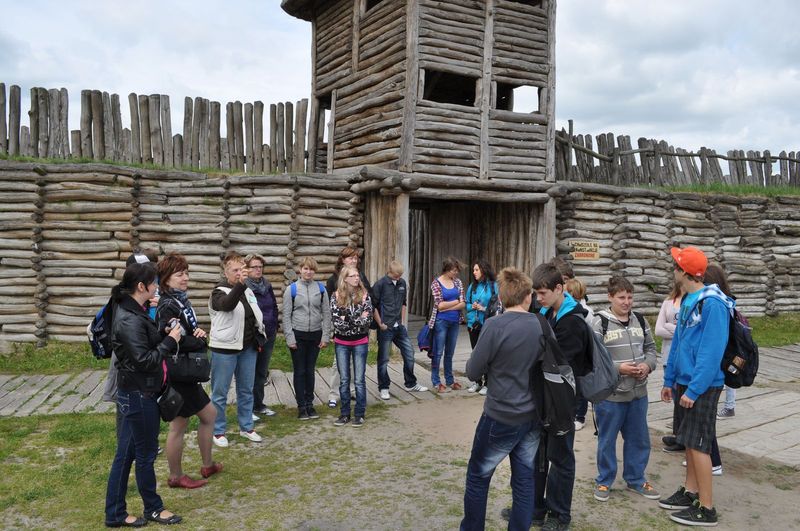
pixel 155 516
pixel 139 522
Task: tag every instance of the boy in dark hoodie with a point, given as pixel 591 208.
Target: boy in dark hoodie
pixel 553 487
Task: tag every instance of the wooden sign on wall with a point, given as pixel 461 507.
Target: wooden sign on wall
pixel 584 250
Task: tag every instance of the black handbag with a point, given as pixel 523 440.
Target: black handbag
pixel 169 403
pixel 189 367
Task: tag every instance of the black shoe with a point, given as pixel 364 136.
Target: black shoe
pixel 312 413
pixel 696 515
pixel 682 499
pixel 674 449
pixel 155 516
pixel 341 421
pixel 302 413
pixel 669 440
pixel 554 524
pixel 358 422
pixel 139 522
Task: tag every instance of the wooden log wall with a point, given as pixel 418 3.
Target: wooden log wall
pixel 753 238
pixel 611 159
pixel 67 229
pixel 333 45
pixel 149 139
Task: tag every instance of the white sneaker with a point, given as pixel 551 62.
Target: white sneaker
pixel 417 389
pixel 579 425
pixel 251 435
pixel 474 388
pixel 483 391
pixel 220 440
pixel 267 412
pixel 385 394
pixel 256 418
pixel 715 470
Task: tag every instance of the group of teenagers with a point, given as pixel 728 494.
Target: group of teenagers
pixel 694 323
pixel 151 301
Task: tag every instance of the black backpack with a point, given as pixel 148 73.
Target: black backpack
pixel 740 361
pixel 553 385
pixel 99 332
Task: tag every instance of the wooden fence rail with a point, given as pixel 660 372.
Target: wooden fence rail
pixel 660 164
pixel 149 139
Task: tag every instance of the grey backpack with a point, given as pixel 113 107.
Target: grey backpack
pixel 601 382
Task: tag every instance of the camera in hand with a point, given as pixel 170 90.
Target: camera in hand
pixel 173 323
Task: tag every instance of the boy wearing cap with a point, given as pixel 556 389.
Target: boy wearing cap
pixel 694 375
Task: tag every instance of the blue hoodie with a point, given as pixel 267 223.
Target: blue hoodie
pixel 699 342
pixel 566 307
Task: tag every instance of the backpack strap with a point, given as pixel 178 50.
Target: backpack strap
pixel 321 292
pixel 604 324
pixel 640 318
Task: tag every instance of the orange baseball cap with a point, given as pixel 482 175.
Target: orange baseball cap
pixel 691 260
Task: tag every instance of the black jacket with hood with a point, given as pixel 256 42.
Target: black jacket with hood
pixel 573 336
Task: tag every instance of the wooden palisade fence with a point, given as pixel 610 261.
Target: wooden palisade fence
pixel 149 139
pixel 660 164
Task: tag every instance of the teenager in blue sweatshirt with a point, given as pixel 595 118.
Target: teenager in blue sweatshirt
pixel 694 374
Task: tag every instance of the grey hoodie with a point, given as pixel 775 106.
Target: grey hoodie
pixel 311 312
pixel 627 344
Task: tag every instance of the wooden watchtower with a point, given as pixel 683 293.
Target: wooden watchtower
pixel 457 96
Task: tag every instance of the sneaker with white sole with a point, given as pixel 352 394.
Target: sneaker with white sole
pixel 251 435
pixel 646 490
pixel 483 391
pixel 267 412
pixel 579 425
pixel 681 499
pixel 221 441
pixel 474 388
pixel 726 413
pixel 601 493
pixel 256 418
pixel 385 394
pixel 696 515
pixel 417 388
pixel 715 470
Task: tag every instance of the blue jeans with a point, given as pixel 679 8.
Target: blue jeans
pixel 730 398
pixel 137 440
pixel 223 368
pixel 630 418
pixel 358 353
pixel 493 442
pixel 553 486
pixel 445 335
pixel 398 336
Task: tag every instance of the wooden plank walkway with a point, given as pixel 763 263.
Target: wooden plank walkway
pixel 766 424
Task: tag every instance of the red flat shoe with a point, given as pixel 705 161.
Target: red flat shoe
pixel 208 471
pixel 456 386
pixel 442 388
pixel 185 482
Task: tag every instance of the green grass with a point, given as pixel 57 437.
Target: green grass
pixel 60 357
pixel 738 189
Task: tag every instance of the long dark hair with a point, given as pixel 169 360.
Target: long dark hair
pixel 450 263
pixel 134 273
pixel 487 273
pixel 716 275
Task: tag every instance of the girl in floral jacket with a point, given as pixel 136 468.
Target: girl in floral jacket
pixel 351 313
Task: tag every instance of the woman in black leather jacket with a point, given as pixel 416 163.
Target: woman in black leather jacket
pixel 140 353
pixel 173 277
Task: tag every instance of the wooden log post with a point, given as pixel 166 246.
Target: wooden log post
pixel 87 150
pixel 136 135
pixel 25 141
pixel 224 155
pixel 313 136
pixel 300 137
pixel 281 154
pixel 230 143
pixel 126 149
pixel 288 125
pixel 53 111
pixel 116 127
pixel 33 120
pixel 204 136
pixel 108 127
pixel 769 180
pixel 14 110
pixel 784 169
pixel 63 121
pixel 265 157
pixel 258 136
pixel 273 138
pixel 177 150
pixel 144 129
pixel 213 136
pixel 166 131
pixel 3 123
pixel 156 139
pixel 198 103
pixel 98 144
pixel 43 139
pixel 332 132
pixel 187 131
pixel 248 137
pixel 238 135
pixel 75 140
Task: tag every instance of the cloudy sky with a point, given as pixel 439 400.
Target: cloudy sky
pixel 718 73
